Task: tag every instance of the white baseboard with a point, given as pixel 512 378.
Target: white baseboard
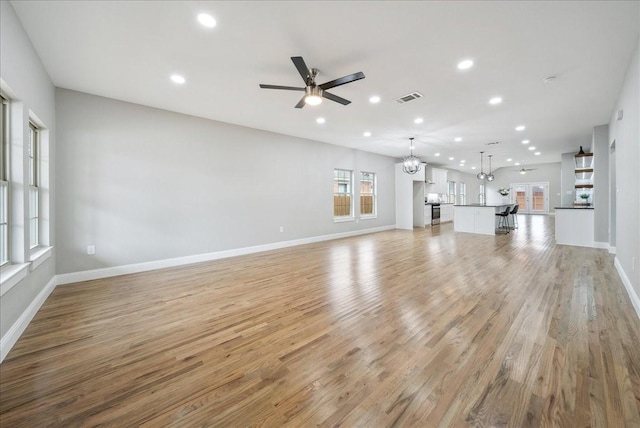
pixel 612 250
pixel 13 334
pixel 602 245
pixel 635 300
pixel 67 278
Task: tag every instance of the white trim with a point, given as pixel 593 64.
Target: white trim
pixel 12 275
pixel 67 278
pixel 13 334
pixel 612 250
pixel 369 217
pixel 635 300
pixel 343 219
pixel 39 255
pixel 602 245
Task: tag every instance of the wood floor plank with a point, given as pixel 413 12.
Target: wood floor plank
pixel 425 328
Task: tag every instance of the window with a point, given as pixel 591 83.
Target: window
pixel 342 194
pixel 451 192
pixel 462 194
pixel 367 194
pixel 4 183
pixel 482 197
pixel 34 181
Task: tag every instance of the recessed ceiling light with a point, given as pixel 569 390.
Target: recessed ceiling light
pixel 461 164
pixel 537 153
pixel 520 128
pixel 525 141
pixel 451 158
pixel 517 163
pixel 320 120
pixel 473 167
pixel 367 134
pixel 495 100
pixel 176 78
pixel 418 120
pixel 458 139
pixel 462 161
pixel 532 148
pixel 509 160
pixel 207 20
pixel 437 154
pixel 374 99
pixel 465 64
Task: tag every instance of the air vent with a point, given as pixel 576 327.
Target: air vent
pixel 493 143
pixel 409 97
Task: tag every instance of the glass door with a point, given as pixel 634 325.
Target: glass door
pixel 532 198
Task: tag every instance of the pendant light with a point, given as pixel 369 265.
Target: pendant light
pixel 481 175
pixel 411 164
pixel 490 176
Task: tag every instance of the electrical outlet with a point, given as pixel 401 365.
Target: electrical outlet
pixel 91 249
pixel 281 229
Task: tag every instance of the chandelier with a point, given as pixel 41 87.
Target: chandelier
pixel 411 164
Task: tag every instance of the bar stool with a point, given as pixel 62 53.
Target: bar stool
pixel 503 222
pixel 514 211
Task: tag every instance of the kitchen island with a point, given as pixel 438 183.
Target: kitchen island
pixel 477 218
pixel 574 226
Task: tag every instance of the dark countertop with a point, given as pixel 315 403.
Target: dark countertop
pixel 571 207
pixel 482 205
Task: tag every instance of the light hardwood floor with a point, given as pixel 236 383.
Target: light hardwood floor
pixel 420 329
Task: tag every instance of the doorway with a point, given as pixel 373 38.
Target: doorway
pixel 532 198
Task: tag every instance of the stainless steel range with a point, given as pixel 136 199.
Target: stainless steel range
pixel 435 214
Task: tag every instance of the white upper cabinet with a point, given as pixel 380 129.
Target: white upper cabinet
pixel 420 175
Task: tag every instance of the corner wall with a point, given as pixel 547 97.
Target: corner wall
pixel 626 135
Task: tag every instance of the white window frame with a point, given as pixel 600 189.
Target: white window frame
pixel 5 200
pixel 33 153
pixel 462 193
pixel 451 198
pixel 373 194
pixel 350 193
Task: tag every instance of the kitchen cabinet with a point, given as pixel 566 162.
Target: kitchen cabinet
pixel 420 175
pixel 446 213
pixel 436 179
pixel 427 215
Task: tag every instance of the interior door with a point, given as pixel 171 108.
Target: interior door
pixel 532 198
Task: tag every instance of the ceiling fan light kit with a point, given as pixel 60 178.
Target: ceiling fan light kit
pixel 314 93
pixel 411 164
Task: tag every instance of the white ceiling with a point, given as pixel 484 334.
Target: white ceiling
pixel 127 51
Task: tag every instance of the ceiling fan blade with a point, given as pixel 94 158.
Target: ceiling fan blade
pixel 288 88
pixel 335 98
pixel 342 80
pixel 301 103
pixel 302 68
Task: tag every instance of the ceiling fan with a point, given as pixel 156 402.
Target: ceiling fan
pixel 314 92
pixel 524 170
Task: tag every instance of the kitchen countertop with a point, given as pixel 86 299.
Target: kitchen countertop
pixel 482 205
pixel 571 207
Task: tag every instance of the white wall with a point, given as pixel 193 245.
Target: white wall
pixel 626 134
pixel 143 184
pixel 568 179
pixel 600 148
pixel 545 172
pixel 27 83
